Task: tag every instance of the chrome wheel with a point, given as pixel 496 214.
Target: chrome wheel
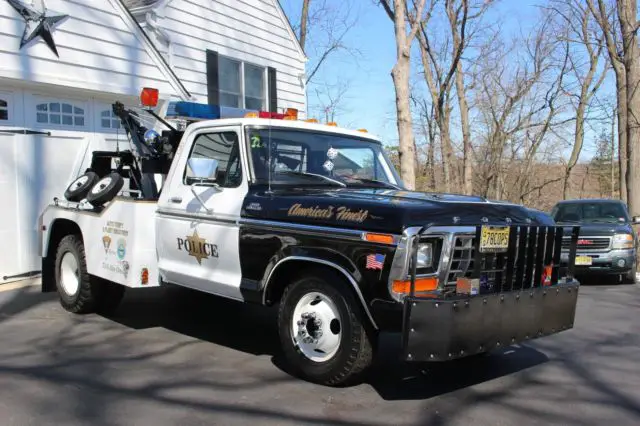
pixel 81 181
pixel 69 274
pixel 316 327
pixel 101 185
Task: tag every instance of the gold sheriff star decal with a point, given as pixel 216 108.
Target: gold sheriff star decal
pixel 197 247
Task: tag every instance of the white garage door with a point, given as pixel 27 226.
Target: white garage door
pixel 45 141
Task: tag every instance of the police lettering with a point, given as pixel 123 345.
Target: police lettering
pixel 196 248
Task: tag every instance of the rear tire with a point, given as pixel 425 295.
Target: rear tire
pixel 323 332
pixel 105 189
pixel 79 188
pixel 72 279
pixel 79 292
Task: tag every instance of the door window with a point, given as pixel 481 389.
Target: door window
pixel 223 147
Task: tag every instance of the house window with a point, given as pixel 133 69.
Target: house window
pixel 4 110
pixel 241 85
pixel 108 120
pixel 58 113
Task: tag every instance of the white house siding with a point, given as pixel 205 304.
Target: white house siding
pixel 103 57
pixel 252 31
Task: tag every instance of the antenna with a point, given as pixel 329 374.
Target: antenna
pixel 269 159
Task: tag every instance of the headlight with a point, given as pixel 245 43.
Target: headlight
pixel 623 241
pixel 425 256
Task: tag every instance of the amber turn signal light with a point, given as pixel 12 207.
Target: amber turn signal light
pixel 379 238
pixel 422 284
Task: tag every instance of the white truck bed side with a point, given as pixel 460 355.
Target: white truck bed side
pixel 119 241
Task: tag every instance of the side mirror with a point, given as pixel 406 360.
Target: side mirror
pixel 635 220
pixel 202 169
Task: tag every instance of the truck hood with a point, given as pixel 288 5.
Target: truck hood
pixel 601 229
pixel 384 209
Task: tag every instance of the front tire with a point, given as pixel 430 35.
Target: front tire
pixel 629 277
pixel 323 332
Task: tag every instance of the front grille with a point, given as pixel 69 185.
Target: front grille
pixel 521 267
pixel 589 243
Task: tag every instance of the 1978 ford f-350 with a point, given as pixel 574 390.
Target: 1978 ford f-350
pixel 314 218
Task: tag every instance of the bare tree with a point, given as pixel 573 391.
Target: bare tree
pixel 322 30
pixel 518 101
pixel 604 17
pixel 627 15
pixel 440 66
pixel 576 28
pixel 403 16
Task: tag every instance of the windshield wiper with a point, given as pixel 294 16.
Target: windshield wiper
pixel 328 179
pixel 377 182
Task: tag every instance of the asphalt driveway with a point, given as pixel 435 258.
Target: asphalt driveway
pixel 175 357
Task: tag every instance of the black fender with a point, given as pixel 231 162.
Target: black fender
pixel 321 256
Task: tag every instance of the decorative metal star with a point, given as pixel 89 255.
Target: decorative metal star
pixel 197 247
pixel 38 24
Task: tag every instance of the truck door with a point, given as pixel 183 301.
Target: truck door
pixel 197 228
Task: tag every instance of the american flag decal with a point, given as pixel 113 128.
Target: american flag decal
pixel 375 261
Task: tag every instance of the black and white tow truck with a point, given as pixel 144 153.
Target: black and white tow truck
pixel 266 208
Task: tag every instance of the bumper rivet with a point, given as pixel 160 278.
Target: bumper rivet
pixel 498 344
pixel 461 352
pixel 450 355
pixel 413 330
pixel 430 355
pixel 409 356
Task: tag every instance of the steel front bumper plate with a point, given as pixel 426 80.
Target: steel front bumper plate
pixel 441 330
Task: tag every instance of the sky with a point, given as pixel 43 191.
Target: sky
pixel 370 102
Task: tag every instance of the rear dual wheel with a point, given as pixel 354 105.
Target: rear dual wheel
pixel 323 332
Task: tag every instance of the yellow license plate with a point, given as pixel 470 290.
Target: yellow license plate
pixel 583 260
pixel 494 239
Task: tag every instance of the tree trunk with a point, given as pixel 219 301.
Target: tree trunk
pixel 627 11
pixel 467 167
pixel 304 18
pixel 577 147
pixel 623 142
pixel 613 154
pixel 431 155
pixel 400 76
pixel 447 151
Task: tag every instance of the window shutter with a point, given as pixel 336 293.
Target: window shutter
pixel 273 92
pixel 213 89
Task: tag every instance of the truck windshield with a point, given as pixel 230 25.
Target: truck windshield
pixel 304 158
pixel 590 212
